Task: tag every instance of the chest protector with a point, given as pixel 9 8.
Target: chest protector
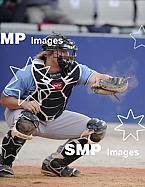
pixel 53 90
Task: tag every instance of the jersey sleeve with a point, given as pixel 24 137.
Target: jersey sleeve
pixel 86 73
pixel 20 84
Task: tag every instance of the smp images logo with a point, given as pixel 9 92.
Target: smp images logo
pixel 135 36
pixel 130 130
pixel 52 41
pixel 10 85
pixel 71 149
pixel 12 38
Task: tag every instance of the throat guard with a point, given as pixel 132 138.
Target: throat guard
pixel 53 90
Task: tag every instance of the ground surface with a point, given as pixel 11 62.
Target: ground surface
pixel 118 164
pixel 90 177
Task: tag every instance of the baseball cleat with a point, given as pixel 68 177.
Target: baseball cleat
pixel 6 171
pixel 65 172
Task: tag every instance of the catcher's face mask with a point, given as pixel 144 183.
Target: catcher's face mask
pixel 64 49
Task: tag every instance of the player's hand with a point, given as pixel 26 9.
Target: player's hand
pixel 31 106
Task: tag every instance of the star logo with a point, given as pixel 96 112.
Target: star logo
pixel 16 79
pixel 130 130
pixel 45 78
pixel 138 33
pixel 8 151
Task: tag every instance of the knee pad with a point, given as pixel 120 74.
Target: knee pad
pixel 25 125
pixel 96 130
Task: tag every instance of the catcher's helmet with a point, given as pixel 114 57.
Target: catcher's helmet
pixel 59 42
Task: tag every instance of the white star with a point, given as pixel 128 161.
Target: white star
pixel 131 131
pixel 45 79
pixel 138 33
pixel 16 79
pixel 7 144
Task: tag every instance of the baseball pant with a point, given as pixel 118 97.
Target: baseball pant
pixel 70 125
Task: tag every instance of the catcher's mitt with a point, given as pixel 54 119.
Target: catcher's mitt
pixel 110 86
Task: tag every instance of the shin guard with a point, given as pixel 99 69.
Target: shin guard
pixel 59 166
pixel 10 147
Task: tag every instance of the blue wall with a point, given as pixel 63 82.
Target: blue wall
pixel 112 55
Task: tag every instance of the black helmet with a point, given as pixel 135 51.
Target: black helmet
pixel 57 42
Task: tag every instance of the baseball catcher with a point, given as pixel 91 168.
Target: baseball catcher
pixel 49 80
